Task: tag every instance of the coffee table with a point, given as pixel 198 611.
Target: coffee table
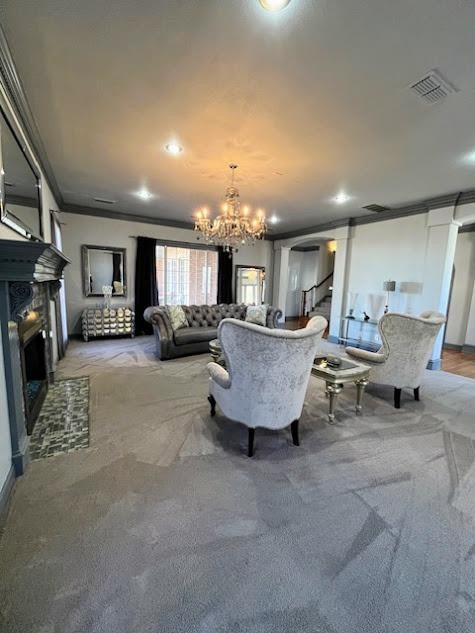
pixel 336 377
pixel 216 352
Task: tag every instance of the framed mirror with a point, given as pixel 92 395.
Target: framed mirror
pixel 103 266
pixel 20 200
pixel 250 284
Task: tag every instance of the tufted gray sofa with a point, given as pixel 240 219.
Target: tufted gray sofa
pixel 203 324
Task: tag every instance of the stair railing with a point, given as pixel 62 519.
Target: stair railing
pixel 314 294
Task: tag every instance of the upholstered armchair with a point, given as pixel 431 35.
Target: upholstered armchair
pixel 267 374
pixel 407 342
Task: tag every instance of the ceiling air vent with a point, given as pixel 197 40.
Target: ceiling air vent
pixel 433 87
pixel 377 208
pixel 104 200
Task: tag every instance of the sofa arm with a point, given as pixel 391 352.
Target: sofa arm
pixel 375 358
pixel 273 316
pixel 219 375
pixel 159 318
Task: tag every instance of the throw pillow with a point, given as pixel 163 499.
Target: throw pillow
pixel 257 314
pixel 177 317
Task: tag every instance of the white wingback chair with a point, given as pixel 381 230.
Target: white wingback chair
pixel 407 342
pixel 267 374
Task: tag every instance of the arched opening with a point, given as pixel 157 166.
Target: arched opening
pixel 310 278
pixel 327 264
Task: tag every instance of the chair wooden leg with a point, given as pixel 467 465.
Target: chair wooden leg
pixel 397 398
pixel 212 403
pixel 250 445
pixel 294 428
pixel 417 394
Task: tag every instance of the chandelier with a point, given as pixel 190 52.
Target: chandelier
pixel 234 226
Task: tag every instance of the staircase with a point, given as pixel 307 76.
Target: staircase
pixel 317 299
pixel 322 308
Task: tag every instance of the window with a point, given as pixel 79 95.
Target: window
pixel 186 275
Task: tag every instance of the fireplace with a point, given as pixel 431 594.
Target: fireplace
pixel 32 338
pixel 29 284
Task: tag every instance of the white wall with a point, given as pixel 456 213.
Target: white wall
pixel 309 270
pixel 462 289
pixel 415 251
pixel 303 272
pixel 5 445
pixel 395 250
pixel 294 284
pixel 82 229
pixel 470 333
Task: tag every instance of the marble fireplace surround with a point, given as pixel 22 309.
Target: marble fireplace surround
pixel 27 269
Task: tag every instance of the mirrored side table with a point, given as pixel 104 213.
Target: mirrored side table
pixel 108 322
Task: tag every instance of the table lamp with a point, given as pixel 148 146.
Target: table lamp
pixel 388 286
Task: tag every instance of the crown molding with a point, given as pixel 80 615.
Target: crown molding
pixel 125 217
pixel 446 200
pixel 305 249
pixel 437 202
pixel 318 228
pixel 13 87
pixel 467 197
pixel 392 214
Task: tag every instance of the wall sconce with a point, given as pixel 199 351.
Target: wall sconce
pixel 332 246
pixel 388 286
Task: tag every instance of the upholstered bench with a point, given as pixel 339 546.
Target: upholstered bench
pixel 201 327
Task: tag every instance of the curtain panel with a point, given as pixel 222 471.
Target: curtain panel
pixel 225 276
pixel 146 291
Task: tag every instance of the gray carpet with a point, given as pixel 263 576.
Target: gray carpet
pixel 164 525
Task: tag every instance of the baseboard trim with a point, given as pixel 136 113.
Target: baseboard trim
pixel 435 364
pixel 6 495
pixel 457 348
pixel 468 349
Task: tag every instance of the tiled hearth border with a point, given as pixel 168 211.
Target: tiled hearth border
pixel 63 423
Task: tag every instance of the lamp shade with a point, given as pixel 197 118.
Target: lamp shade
pixel 389 286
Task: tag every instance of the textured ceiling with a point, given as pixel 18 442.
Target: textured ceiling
pixel 309 101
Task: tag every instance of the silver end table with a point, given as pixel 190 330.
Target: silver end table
pixel 336 377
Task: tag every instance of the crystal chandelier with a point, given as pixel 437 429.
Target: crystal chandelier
pixel 234 225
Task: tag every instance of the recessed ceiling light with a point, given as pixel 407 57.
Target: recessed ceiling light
pixel 144 194
pixel 469 159
pixel 173 148
pixel 274 5
pixel 274 219
pixel 341 198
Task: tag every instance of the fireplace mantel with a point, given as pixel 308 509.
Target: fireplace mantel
pixel 30 261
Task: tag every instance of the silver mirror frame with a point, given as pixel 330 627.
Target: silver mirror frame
pixel 5 218
pixel 85 248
